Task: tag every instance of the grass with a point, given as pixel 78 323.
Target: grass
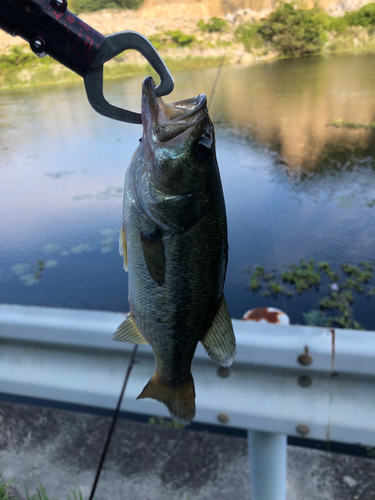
pixel 33 72
pixel 340 123
pixel 341 287
pixel 8 492
pixel 160 421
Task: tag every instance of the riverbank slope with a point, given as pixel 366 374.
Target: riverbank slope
pixel 191 39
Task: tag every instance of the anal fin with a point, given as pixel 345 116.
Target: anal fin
pixel 219 341
pixel 129 332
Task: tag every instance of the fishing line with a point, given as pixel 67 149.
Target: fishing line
pixel 217 77
pixel 218 72
pixel 114 420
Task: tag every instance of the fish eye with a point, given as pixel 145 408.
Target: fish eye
pixel 202 148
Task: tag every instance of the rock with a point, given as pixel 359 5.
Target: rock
pixel 351 482
pixel 247 58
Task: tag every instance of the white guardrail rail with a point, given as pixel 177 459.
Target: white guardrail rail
pixel 287 380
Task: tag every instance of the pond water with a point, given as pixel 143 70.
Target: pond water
pixel 295 187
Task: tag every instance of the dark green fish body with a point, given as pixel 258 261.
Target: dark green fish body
pixel 174 241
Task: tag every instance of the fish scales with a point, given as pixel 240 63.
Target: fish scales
pixel 174 241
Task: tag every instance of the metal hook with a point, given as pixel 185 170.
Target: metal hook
pixel 113 46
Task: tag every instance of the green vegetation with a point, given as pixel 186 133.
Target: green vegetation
pixel 8 492
pixel 365 16
pixel 78 6
pixel 179 38
pixel 250 35
pixel 288 32
pixel 17 57
pixel 38 72
pixel 295 32
pixel 171 39
pixel 215 24
pixel 315 318
pixel 340 123
pixel 165 423
pixel 336 307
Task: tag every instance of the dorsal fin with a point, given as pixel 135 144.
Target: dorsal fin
pixel 219 341
pixel 128 331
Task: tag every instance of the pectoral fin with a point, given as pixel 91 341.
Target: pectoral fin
pixel 123 249
pixel 153 251
pixel 219 341
pixel 128 332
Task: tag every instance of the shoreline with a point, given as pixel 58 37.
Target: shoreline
pixel 20 68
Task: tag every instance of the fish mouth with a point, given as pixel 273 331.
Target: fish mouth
pixel 167 121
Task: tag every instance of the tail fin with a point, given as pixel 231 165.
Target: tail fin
pixel 179 400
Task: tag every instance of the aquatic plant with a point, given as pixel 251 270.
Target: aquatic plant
pixel 367 265
pixel 315 318
pixel 307 274
pixel 254 284
pixel 269 277
pixel 350 269
pixel 303 277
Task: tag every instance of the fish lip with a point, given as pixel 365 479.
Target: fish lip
pixel 150 106
pixel 169 120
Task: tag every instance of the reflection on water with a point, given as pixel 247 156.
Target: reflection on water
pixel 295 187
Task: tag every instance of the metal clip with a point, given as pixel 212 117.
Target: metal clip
pixel 113 46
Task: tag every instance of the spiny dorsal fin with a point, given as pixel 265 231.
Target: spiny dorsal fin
pixel 123 248
pixel 153 251
pixel 179 400
pixel 128 332
pixel 219 341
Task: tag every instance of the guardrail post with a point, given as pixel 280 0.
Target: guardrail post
pixel 267 455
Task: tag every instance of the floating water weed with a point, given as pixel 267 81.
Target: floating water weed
pixel 308 274
pixel 315 318
pixel 367 265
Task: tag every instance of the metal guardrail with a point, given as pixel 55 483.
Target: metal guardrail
pixel 287 380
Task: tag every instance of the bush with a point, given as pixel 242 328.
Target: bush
pixel 365 16
pixel 179 38
pixel 249 34
pixel 338 24
pixel 214 24
pixel 17 57
pixel 295 32
pixel 170 39
pixel 78 6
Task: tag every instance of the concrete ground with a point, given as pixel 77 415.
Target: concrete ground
pixel 154 462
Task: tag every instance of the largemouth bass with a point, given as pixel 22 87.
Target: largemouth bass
pixel 174 243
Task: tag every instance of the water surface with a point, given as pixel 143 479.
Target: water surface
pixel 295 187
